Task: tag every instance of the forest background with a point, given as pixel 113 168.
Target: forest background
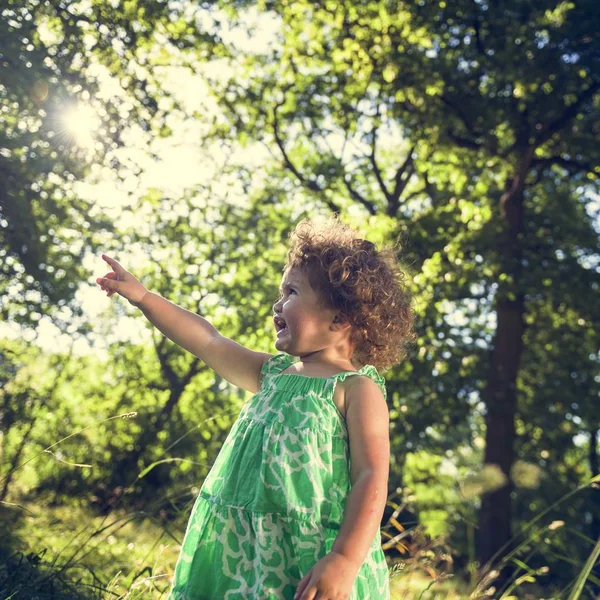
pixel 186 139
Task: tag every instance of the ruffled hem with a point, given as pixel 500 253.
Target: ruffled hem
pixel 235 554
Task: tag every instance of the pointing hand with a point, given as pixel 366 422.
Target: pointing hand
pixel 122 282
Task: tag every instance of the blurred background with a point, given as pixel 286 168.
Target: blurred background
pixel 186 139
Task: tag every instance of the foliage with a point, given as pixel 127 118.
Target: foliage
pixel 57 58
pixel 472 126
pixel 414 120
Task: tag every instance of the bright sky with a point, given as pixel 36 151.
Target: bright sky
pixel 184 162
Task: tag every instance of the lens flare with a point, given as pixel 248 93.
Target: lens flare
pixel 81 123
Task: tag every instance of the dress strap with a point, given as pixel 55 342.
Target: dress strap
pixel 276 363
pixel 369 371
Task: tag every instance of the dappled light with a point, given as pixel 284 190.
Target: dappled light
pixel 155 158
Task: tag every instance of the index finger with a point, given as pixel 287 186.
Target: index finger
pixel 112 262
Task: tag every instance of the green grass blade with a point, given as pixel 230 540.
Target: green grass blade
pixel 530 524
pixel 581 579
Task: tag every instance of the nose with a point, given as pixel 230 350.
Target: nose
pixel 277 306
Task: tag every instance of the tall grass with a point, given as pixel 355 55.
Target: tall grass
pixel 129 556
pixel 123 556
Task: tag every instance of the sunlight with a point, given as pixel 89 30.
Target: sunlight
pixel 81 122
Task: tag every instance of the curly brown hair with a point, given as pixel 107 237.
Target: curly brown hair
pixel 368 286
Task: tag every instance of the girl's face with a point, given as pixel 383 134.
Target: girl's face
pixel 308 325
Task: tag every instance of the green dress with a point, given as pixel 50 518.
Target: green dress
pixel 273 502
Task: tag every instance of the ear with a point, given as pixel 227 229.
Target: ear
pixel 340 322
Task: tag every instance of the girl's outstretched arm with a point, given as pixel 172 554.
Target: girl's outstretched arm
pixel 232 361
pixel 367 417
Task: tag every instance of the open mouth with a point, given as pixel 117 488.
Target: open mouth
pixel 280 325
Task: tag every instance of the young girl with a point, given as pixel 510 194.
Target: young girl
pixel 292 506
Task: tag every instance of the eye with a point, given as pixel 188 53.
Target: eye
pixel 289 288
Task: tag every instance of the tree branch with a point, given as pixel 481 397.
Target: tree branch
pixel 359 197
pixel 307 183
pixel 400 179
pixel 311 185
pixel 464 142
pixel 461 114
pixel 376 169
pixel 414 194
pixel 478 40
pixel 547 131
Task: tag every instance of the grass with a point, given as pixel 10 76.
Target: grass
pixel 69 553
pixel 83 555
pixel 126 556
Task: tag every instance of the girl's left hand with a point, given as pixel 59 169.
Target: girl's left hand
pixel 331 578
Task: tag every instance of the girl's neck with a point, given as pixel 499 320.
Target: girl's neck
pixel 307 362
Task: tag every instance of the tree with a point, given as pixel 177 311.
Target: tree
pixel 467 130
pixel 487 111
pixel 55 58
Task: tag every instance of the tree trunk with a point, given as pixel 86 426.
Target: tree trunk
pixel 501 389
pixel 128 465
pixel 501 400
